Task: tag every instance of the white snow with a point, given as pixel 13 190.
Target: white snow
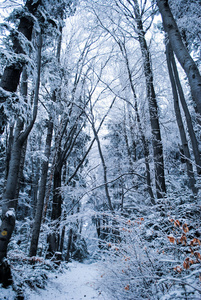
pixel 10 213
pixel 81 281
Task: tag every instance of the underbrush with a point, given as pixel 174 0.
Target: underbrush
pixel 158 255
pixel 29 273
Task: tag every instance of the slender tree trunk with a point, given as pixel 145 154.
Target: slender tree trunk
pixel 35 182
pixel 44 172
pixel 104 168
pixel 54 237
pixel 41 193
pixel 24 93
pixel 70 237
pixel 57 199
pixel 184 141
pixel 9 148
pixel 144 141
pixel 181 52
pixel 61 244
pixel 191 131
pixel 125 135
pixel 153 108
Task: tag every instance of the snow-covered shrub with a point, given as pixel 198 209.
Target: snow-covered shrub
pixel 28 273
pixel 159 253
pixel 79 250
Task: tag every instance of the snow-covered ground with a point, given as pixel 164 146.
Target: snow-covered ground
pixel 81 281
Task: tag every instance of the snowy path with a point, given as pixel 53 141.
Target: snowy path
pixel 79 282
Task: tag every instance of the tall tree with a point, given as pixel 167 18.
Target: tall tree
pixel 44 166
pixel 181 52
pixel 9 200
pixel 185 146
pixel 11 75
pixel 132 11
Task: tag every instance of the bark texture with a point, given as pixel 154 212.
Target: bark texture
pixel 9 200
pixel 181 52
pixel 11 76
pixel 153 108
pixel 185 146
pixel 41 194
pixel 191 131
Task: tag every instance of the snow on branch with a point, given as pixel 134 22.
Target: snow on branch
pixel 10 213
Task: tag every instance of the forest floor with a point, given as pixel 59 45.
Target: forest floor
pixel 80 281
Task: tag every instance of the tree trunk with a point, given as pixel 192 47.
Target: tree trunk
pixel 9 200
pixel 104 168
pixel 11 76
pixel 181 52
pixel 169 56
pixel 41 194
pixel 24 93
pixel 70 237
pixel 9 148
pixel 144 141
pixel 57 199
pixel 153 108
pixel 191 131
pixel 54 237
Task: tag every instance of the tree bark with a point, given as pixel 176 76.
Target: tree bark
pixel 181 52
pixel 104 168
pixel 185 147
pixel 144 141
pixel 9 200
pixel 9 148
pixel 191 131
pixel 41 193
pixel 153 108
pixel 24 93
pixel 11 76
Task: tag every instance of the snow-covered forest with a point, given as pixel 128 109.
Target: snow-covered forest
pixel 100 149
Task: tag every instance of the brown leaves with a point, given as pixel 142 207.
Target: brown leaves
pixel 194 242
pixel 185 228
pixel 183 239
pixel 178 269
pixel 171 239
pixel 176 223
pixel 197 255
pixel 127 287
pixel 186 263
pixel 192 245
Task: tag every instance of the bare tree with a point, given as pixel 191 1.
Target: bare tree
pixel 181 52
pixel 185 147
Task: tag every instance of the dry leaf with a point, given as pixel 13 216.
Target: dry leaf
pixel 186 263
pixel 185 228
pixel 171 239
pixel 178 269
pixel 177 223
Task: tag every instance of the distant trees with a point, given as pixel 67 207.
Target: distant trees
pixel 133 22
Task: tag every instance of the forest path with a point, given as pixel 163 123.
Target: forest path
pixel 79 282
